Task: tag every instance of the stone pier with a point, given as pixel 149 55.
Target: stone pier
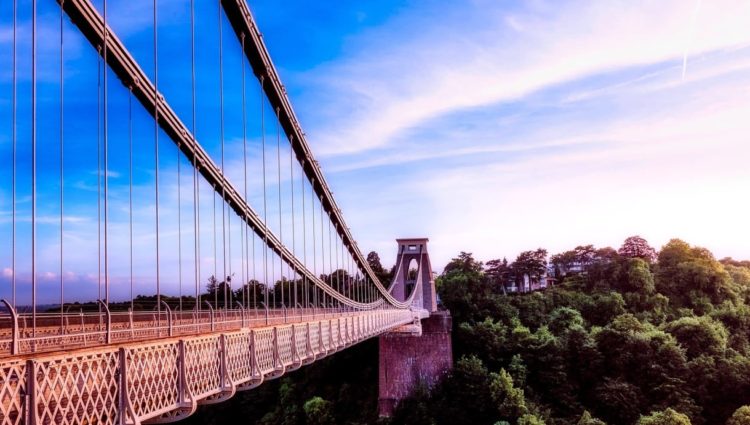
pixel 407 360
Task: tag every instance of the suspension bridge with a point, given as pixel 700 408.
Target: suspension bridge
pixel 151 159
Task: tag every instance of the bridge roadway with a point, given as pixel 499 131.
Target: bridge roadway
pixel 146 367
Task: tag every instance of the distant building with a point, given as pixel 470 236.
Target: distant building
pixel 530 285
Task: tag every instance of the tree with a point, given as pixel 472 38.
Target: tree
pixel 638 277
pixel 740 416
pixel 530 263
pixel 373 259
pixel 665 417
pixel 499 273
pixel 692 277
pixel 529 419
pixel 465 263
pixel 577 260
pixel 564 263
pixel 587 419
pixel 318 412
pixel 509 400
pixel 637 247
pixel 618 401
pixel 699 335
pixel 563 319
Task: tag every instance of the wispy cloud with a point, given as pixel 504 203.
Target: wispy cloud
pixel 399 78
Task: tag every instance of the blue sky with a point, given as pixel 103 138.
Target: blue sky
pixel 486 126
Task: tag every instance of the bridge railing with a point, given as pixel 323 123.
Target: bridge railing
pixel 165 380
pixel 55 331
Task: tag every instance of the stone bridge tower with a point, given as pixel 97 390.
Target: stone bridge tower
pixel 414 250
pixel 412 357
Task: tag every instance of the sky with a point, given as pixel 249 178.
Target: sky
pixel 489 127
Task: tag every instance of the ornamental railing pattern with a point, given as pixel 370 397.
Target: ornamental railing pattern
pixel 164 380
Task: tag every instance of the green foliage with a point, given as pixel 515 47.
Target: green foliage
pixel 691 277
pixel 740 416
pixel 638 277
pixel 509 400
pixel 530 420
pixel 587 419
pixel 666 417
pixel 620 339
pixel 318 412
pixel 699 335
pixel 563 319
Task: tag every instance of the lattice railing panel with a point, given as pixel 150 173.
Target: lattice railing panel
pixel 325 332
pixel 78 390
pixel 264 350
pixel 300 341
pixel 12 391
pixel 153 376
pixel 315 338
pixel 284 344
pixel 203 365
pixel 334 329
pixel 239 357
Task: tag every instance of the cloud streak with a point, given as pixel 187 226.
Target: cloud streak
pixel 399 79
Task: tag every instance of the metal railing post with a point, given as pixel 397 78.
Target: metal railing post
pixel 108 336
pixel 83 325
pixel 14 323
pixel 30 407
pixel 170 329
pixel 223 362
pixel 265 307
pixel 123 384
pixel 211 312
pixel 181 368
pixel 276 359
pixel 242 311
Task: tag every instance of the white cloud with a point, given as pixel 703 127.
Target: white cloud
pixel 401 78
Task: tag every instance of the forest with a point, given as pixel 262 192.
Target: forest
pixel 627 336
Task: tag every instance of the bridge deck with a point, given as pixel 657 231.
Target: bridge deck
pixel 164 380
